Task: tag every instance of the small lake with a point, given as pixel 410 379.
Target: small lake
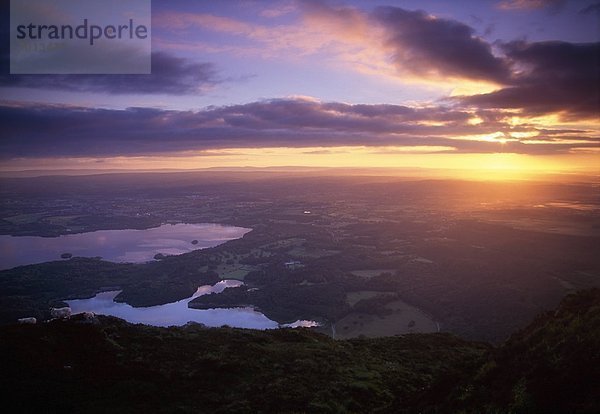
pixel 132 246
pixel 178 313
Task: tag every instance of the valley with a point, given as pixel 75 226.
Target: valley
pixel 367 255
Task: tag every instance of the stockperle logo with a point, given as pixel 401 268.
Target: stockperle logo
pixel 80 36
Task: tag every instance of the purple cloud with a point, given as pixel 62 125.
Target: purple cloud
pixel 46 131
pixel 170 75
pixel 435 47
pixel 552 5
pixel 557 77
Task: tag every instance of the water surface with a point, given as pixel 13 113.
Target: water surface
pixel 133 246
pixel 178 313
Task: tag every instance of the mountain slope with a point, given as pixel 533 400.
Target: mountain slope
pixel 553 365
pixel 108 365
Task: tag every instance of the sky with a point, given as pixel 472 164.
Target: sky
pixel 496 87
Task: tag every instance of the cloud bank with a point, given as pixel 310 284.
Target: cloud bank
pixel 556 77
pixel 533 79
pixel 45 130
pixel 537 78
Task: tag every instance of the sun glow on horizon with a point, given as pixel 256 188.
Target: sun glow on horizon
pixel 481 166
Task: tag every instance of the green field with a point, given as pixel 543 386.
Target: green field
pixel 352 298
pixel 238 273
pixel 369 273
pixel 398 322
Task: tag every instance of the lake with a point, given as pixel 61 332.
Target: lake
pixel 178 313
pixel 133 246
pixel 138 246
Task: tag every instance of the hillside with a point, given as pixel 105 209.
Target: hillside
pixel 553 365
pixel 108 365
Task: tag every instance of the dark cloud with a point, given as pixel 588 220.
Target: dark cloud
pixel 170 75
pixel 333 116
pixel 593 8
pixel 49 130
pixel 554 77
pixel 438 48
pixel 55 130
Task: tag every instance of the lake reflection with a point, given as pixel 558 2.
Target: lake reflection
pixel 178 313
pixel 134 246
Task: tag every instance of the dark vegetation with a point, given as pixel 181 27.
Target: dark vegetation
pixel 553 365
pixel 108 365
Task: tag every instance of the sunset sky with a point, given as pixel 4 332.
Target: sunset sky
pixel 487 86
